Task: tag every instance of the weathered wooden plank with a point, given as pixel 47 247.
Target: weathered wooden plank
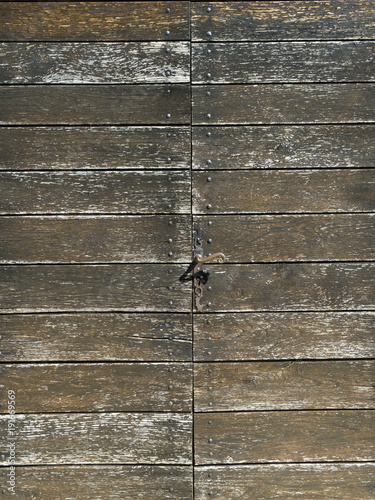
pixel 101 438
pixel 117 62
pixel 293 287
pixel 276 238
pixel 147 192
pixel 279 20
pixel 94 104
pixel 87 288
pixel 287 62
pixel 90 21
pixel 91 337
pixel 263 147
pixel 85 239
pixel 86 387
pixel 283 385
pixel 287 436
pixel 283 191
pixel 104 482
pixel 60 148
pixel 246 336
pixel 284 104
pixel 318 481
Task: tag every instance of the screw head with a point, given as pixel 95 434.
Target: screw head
pixel 169 205
pixel 209 179
pixel 170 271
pixel 209 162
pixel 170 387
pixel 209 75
pixel 209 304
pixel 210 440
pixel 171 489
pixel 167 32
pixel 169 134
pixel 171 302
pixel 170 223
pixel 209 206
pixel 208 115
pixel 209 33
pixel 209 353
pixel 209 51
pixel 167 50
pixel 168 72
pixel 208 134
pixel 209 474
pixel 209 240
pixel 168 115
pixel 169 178
pixel 170 254
pixel 170 240
pixel 208 92
pixel 169 159
pixel 168 9
pixel 209 288
pixel 208 9
pixel 209 222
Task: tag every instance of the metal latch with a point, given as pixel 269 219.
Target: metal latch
pixel 200 276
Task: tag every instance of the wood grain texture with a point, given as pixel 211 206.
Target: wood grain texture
pixel 99 387
pixel 91 21
pixel 92 337
pixel 277 238
pixel 70 148
pixel 288 385
pixel 291 436
pixel 283 191
pixel 246 336
pixel 263 147
pixel 131 238
pixel 284 104
pixel 94 104
pixel 102 438
pixel 105 482
pixel 88 288
pixel 118 192
pixel 279 20
pixel 72 63
pixel 318 481
pixel 277 62
pixel 293 287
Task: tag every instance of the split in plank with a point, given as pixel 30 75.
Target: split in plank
pixel 72 63
pixel 92 337
pixel 283 191
pixel 101 438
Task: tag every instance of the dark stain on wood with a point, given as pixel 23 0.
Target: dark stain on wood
pixel 91 21
pixel 288 436
pixel 283 191
pixel 95 104
pixel 246 336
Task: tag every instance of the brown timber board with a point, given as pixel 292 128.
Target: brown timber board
pixel 301 146
pixel 286 436
pixel 91 21
pixel 86 387
pixel 105 482
pixel 283 385
pixel 88 288
pixel 85 239
pixel 94 104
pixel 102 438
pixel 288 103
pixel 280 20
pixel 59 148
pixel 283 62
pixel 145 192
pixel 92 337
pixel 309 481
pixel 294 287
pixel 117 62
pixel 277 238
pixel 283 191
pixel 262 336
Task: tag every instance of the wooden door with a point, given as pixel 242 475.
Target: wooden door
pixel 124 128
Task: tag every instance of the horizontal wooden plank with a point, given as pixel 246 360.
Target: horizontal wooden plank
pixel 101 438
pixel 87 288
pixel 131 238
pixel 105 481
pixel 263 147
pixel 288 436
pixel 117 62
pixel 121 192
pixel 92 337
pixel 94 104
pixel 246 336
pixel 293 287
pixel 283 385
pixel 70 148
pixel 277 62
pixel 58 21
pixel 279 20
pixel 283 191
pixel 329 481
pixel 86 387
pixel 276 238
pixel 283 103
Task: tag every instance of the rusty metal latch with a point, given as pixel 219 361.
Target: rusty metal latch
pixel 200 276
